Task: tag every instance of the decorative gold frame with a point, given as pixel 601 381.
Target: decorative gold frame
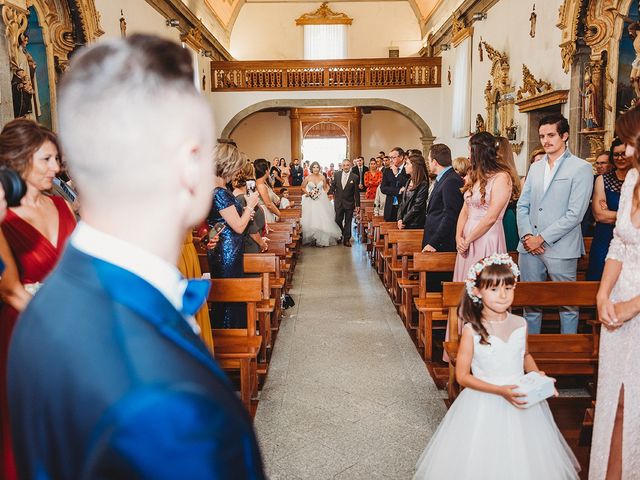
pixel 324 16
pixel 499 92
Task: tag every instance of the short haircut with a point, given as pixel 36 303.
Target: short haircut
pixel 461 165
pixel 400 151
pixel 441 154
pixel 126 110
pixel 283 190
pixel 557 119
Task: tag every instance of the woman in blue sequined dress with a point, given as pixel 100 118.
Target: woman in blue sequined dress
pixel 226 259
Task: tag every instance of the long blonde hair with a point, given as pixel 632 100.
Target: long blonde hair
pixel 505 158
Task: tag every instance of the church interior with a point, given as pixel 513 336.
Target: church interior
pixel 350 381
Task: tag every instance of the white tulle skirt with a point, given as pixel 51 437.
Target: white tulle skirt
pixel 483 437
pixel 318 222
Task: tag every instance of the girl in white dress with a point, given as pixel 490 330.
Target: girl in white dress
pixel 487 434
pixel 318 215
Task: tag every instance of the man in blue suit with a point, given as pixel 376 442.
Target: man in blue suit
pixel 550 209
pixel 107 375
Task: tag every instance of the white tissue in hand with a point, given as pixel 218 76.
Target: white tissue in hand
pixel 536 388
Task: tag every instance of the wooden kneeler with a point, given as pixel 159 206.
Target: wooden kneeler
pixel 236 349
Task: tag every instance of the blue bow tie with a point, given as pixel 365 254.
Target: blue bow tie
pixel 195 294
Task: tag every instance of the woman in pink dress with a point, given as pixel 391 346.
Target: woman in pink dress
pixel 33 237
pixel 479 232
pixel 615 448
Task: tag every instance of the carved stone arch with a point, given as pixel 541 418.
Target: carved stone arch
pixel 425 131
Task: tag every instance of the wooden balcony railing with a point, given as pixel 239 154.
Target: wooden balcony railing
pixel 370 73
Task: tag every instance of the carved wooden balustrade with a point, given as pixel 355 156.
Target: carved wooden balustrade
pixel 370 73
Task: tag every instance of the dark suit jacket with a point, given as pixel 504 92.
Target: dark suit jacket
pixel 391 186
pixel 413 205
pixel 297 175
pixel 443 209
pixel 346 199
pixel 107 380
pixel 360 174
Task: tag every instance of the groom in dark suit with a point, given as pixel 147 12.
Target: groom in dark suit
pixel 107 375
pixel 346 199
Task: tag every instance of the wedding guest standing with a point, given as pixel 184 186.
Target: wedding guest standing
pixel 285 172
pixel 479 231
pixel 267 196
pixel 505 157
pixel 616 429
pixel 297 173
pixel 226 260
pixel 444 203
pixel 553 202
pixel 413 204
pixel 461 165
pixel 604 203
pixel 372 180
pixel 34 235
pixel 254 242
pixel 361 170
pixel 393 183
pixel 107 376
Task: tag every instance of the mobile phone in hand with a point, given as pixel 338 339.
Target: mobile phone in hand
pixel 251 186
pixel 216 229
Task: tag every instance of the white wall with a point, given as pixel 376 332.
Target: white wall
pixel 140 17
pixel 385 129
pixel 267 31
pixel 264 135
pixel 507 29
pixel 423 101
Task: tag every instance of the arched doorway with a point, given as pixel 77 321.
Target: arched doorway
pixel 325 142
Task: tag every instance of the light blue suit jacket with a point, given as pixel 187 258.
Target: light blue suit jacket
pixel 556 214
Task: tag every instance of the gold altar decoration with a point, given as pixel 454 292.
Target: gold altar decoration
pixel 459 30
pixel 324 16
pixel 499 93
pixel 531 87
pixel 193 38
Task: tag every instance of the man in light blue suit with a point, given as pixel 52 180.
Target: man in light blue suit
pixel 107 375
pixel 552 204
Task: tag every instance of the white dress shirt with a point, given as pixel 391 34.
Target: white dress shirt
pixel 344 177
pixel 550 172
pixel 161 275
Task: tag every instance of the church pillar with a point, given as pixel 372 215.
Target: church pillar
pixel 355 134
pixel 426 145
pixel 296 134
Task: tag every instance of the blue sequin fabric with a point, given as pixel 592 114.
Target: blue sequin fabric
pixel 226 260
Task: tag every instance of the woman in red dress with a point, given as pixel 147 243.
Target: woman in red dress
pixel 33 237
pixel 372 179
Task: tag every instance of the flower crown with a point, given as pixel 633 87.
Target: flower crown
pixel 476 269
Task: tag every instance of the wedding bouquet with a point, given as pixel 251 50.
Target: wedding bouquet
pixel 314 193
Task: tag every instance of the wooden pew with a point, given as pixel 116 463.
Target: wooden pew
pixel 405 250
pixel 383 231
pixel 375 244
pixel 555 354
pixel 393 266
pixel 236 349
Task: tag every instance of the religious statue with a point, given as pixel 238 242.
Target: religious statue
pixel 26 102
pixel 634 76
pixel 123 25
pixel 480 50
pixel 480 124
pixel 511 131
pixel 589 102
pixel 533 18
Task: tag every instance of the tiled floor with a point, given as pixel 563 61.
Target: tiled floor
pixel 347 395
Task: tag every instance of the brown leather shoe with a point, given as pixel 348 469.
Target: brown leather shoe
pixel 347 243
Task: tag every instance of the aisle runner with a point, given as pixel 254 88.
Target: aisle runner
pixel 347 395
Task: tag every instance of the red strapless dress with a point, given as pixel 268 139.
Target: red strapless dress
pixel 35 257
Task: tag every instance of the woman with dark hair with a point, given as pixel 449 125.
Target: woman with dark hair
pixel 479 231
pixel 285 172
pixel 604 204
pixel 267 196
pixel 33 237
pixel 372 179
pixel 226 259
pixel 505 158
pixel 413 204
pixel 616 430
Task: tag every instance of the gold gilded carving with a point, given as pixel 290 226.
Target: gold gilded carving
pixel 499 93
pixel 517 147
pixel 568 18
pixel 555 97
pixel 324 16
pixel 531 86
pixel 459 31
pixel 193 38
pixel 596 142
pixel 457 24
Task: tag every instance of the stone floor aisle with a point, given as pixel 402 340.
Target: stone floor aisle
pixel 347 395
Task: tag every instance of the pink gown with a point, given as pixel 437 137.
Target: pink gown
pixel 619 352
pixel 491 242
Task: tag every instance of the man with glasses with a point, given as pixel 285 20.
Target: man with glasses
pixel 393 183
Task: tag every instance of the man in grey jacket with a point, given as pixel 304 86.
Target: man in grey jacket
pixel 552 204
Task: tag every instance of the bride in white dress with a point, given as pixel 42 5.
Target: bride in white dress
pixel 318 217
